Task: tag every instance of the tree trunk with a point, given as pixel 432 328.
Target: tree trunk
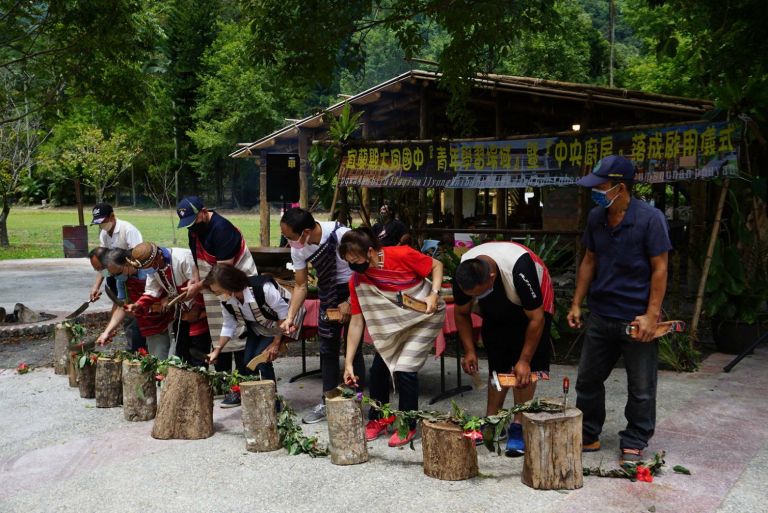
pixel 552 450
pixel 87 382
pixel 345 431
pixel 109 383
pixel 72 369
pixel 259 415
pixel 60 349
pixel 186 409
pixel 448 455
pixel 139 393
pixel 4 241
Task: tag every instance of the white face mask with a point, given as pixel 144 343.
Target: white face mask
pixel 298 244
pixel 485 294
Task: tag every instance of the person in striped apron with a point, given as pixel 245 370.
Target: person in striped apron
pixel 174 268
pixel 315 243
pixel 258 302
pixel 402 336
pixel 214 240
pixel 512 287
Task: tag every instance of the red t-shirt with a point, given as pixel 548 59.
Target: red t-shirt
pixel 403 267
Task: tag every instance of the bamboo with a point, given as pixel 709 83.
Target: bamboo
pixel 708 259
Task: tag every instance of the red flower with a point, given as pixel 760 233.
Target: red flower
pixel 23 368
pixel 159 377
pixel 235 389
pixel 94 357
pixel 644 474
pixel 142 352
pixel 473 435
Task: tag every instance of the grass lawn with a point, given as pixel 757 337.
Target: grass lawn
pixel 36 233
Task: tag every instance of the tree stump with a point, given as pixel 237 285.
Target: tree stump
pixel 139 393
pixel 259 415
pixel 448 454
pixel 87 381
pixel 60 349
pixel 72 369
pixel 552 450
pixel 186 411
pixel 109 383
pixel 345 431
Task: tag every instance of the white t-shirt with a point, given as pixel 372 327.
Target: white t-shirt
pixel 272 298
pixel 124 236
pixel 300 256
pixel 183 266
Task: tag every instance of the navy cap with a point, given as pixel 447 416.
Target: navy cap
pixel 187 210
pixel 101 212
pixel 612 167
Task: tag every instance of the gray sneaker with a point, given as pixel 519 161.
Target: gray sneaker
pixel 316 415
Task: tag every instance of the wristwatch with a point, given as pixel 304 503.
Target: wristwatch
pixel 436 291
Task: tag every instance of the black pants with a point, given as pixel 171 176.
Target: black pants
pixel 224 362
pixel 406 383
pixel 185 341
pixel 330 347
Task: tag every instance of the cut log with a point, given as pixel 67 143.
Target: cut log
pixel 346 433
pixel 186 409
pixel 109 383
pixel 87 381
pixel 139 393
pixel 552 450
pixel 72 369
pixel 259 415
pixel 448 454
pixel 60 349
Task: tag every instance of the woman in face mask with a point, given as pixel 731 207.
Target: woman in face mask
pixel 390 294
pixel 153 322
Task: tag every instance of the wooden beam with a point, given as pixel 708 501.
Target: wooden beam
pixel 304 170
pixel 263 203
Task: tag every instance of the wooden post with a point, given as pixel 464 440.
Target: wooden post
pixel 186 409
pixel 60 349
pixel 259 415
pixel 72 369
pixel 263 204
pixel 139 393
pixel 303 169
pixel 458 208
pixel 109 383
pixel 448 454
pixel 552 450
pixel 87 382
pixel 346 433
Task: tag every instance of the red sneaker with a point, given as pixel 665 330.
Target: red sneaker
pixel 396 441
pixel 375 428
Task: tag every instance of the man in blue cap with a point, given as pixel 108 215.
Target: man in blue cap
pixel 214 240
pixel 623 275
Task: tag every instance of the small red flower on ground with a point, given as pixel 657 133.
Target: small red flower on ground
pixel 94 358
pixel 23 368
pixel 159 377
pixel 644 474
pixel 142 352
pixel 235 388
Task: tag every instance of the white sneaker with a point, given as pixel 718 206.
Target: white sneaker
pixel 316 415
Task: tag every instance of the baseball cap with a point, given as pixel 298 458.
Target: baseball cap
pixel 187 210
pixel 101 212
pixel 612 167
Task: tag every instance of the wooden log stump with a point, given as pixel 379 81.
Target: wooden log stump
pixel 448 454
pixel 259 415
pixel 72 369
pixel 61 337
pixel 552 450
pixel 109 383
pixel 346 433
pixel 186 410
pixel 87 381
pixel 139 393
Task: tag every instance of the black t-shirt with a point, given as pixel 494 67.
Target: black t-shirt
pixel 390 233
pixel 219 237
pixel 496 308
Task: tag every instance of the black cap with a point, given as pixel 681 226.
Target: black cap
pixel 612 167
pixel 101 212
pixel 187 210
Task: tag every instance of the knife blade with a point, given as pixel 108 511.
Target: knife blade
pixel 113 297
pixel 82 308
pixel 197 354
pixel 566 387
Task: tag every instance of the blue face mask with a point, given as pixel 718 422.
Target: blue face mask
pixel 105 273
pixel 142 274
pixel 601 197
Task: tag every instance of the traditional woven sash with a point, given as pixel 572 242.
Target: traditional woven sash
pixel 270 326
pixel 324 262
pixel 205 262
pixel 403 337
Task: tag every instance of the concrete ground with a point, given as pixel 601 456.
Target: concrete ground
pixel 60 453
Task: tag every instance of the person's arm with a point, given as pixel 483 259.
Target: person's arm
pixel 96 289
pixel 118 315
pixel 214 355
pixel 354 336
pixel 584 277
pixel 298 296
pixel 533 332
pixel 462 316
pixel 437 281
pixel 646 324
pixel 228 327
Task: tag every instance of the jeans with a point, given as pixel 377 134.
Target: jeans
pixel 255 345
pixel 406 383
pixel 604 343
